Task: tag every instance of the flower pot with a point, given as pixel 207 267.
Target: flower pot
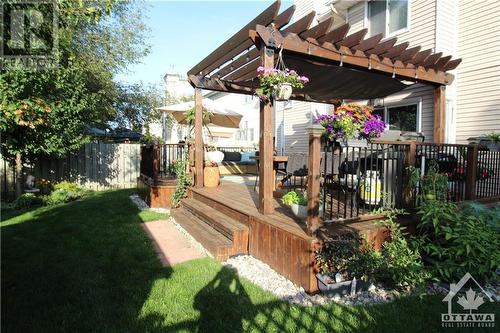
pixel 215 156
pixel 338 289
pixel 299 211
pixel 211 176
pixel 282 92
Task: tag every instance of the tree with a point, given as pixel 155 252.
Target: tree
pixel 45 112
pixel 136 106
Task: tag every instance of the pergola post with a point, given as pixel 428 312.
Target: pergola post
pixel 266 175
pixel 439 114
pixel 198 138
pixel 313 178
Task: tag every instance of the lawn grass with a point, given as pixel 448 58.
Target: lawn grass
pixel 89 266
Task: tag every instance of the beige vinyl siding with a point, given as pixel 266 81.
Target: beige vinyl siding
pixel 422 28
pixel 295 121
pixel 356 17
pixel 478 76
pixel 302 8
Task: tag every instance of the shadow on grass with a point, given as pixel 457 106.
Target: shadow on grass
pixel 89 266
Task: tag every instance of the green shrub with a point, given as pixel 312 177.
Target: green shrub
pixel 26 200
pixel 183 181
pixel 65 192
pixel 458 240
pixel 401 265
pixel 350 255
pixel 294 197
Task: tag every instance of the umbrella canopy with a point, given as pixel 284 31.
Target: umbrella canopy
pixel 221 115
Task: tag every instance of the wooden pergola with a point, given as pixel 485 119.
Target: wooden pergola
pixel 340 66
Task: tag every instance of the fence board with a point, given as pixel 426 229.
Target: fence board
pixel 98 166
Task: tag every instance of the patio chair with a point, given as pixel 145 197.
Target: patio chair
pixel 296 169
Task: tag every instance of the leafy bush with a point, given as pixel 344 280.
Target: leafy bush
pixel 183 181
pixel 458 240
pixel 65 192
pixel 397 264
pixel 349 255
pixel 294 197
pixel 26 200
pixel 401 265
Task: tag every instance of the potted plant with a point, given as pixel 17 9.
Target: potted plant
pixel 297 202
pixel 351 122
pixel 493 142
pixel 278 83
pixel 346 264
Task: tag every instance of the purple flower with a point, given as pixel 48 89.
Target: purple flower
pixel 304 79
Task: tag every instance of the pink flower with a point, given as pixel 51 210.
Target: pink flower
pixel 304 79
pixel 292 72
pixel 260 69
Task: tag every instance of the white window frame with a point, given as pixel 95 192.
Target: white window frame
pixel 406 102
pixel 386 33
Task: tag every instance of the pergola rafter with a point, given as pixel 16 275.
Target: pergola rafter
pixel 340 66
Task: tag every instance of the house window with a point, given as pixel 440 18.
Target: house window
pixel 388 17
pixel 405 118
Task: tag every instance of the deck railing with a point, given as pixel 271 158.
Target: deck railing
pixel 158 161
pixel 358 179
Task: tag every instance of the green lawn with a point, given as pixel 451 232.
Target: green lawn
pixel 88 266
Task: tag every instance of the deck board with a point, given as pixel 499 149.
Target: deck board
pixel 243 199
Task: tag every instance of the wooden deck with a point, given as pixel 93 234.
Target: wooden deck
pixel 278 239
pixel 245 200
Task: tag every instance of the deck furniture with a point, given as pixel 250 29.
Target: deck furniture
pixel 277 160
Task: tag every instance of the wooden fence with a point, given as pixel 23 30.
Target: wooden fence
pixel 97 166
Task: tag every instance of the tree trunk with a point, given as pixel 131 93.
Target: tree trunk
pixel 19 174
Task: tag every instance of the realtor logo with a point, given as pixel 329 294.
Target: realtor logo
pixel 29 34
pixel 469 300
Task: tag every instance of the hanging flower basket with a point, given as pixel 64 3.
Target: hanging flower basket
pixel 283 91
pixel 278 84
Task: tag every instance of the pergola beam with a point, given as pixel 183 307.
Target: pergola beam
pixel 353 39
pixel 368 43
pixel 294 43
pixel 282 20
pixel 382 47
pixel 236 44
pixel 335 35
pixel 319 30
pixel 395 51
pixel 441 63
pixel 408 54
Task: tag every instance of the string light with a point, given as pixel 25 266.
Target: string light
pixel 369 63
pixel 341 60
pixel 393 72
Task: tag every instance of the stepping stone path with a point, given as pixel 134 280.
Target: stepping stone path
pixel 170 244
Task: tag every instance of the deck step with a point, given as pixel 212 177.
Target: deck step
pixel 222 223
pixel 214 242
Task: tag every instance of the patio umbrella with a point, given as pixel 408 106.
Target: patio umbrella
pixel 221 115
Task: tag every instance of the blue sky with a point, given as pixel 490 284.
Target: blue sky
pixel 184 32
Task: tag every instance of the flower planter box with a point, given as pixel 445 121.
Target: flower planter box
pixel 339 289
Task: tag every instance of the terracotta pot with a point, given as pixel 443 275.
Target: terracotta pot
pixel 211 176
